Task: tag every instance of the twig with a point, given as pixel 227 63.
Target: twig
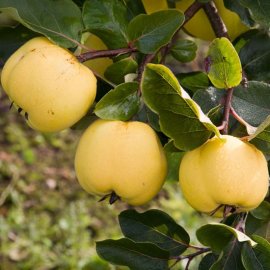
pixel 216 21
pixel 190 257
pixel 104 53
pixel 189 13
pixel 227 109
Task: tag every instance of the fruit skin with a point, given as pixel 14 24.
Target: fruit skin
pixel 122 157
pixel 98 65
pixel 200 27
pixel 151 6
pixel 49 84
pixel 224 171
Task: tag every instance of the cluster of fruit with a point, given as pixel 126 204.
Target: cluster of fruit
pixel 53 90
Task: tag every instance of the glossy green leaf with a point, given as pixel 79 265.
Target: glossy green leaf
pixel 150 32
pixel 107 19
pixel 209 98
pixel 48 17
pixel 257 226
pixel 249 258
pixel 156 227
pixel 193 81
pixel 252 103
pixel 255 56
pixel 207 261
pixel 262 211
pixel 217 236
pixel 137 256
pixel 224 66
pixel 117 71
pixel 242 12
pixel 260 10
pixel 230 257
pixel 262 250
pixel 261 137
pixel 174 157
pixel 120 103
pixel 181 118
pixel 184 50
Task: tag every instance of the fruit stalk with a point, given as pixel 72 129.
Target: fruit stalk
pixel 216 21
pixel 93 54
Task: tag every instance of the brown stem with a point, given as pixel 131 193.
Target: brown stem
pixel 104 53
pixel 189 13
pixel 216 21
pixel 190 257
pixel 227 109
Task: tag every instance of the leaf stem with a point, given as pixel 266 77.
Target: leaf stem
pixel 93 54
pixel 216 21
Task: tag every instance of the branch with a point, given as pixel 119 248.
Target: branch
pixel 226 112
pixel 216 21
pixel 93 54
pixel 190 257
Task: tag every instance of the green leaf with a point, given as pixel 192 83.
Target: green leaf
pixel 207 261
pixel 174 157
pixel 260 10
pixel 249 258
pixel 120 103
pixel 260 136
pixel 184 50
pixel 224 69
pixel 262 251
pixel 137 256
pixel 150 32
pixel 230 257
pixel 193 81
pixel 156 227
pixel 12 38
pixel 252 103
pixel 209 98
pixel 255 56
pixel 117 71
pixel 262 211
pixel 181 118
pixel 217 236
pixel 257 226
pixel 52 18
pixel 242 12
pixel 107 19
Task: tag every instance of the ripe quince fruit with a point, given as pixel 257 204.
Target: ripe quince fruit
pixel 200 27
pixel 98 65
pixel 122 158
pixel 224 172
pixel 48 85
pixel 151 6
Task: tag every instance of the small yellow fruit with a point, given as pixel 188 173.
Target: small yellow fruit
pixel 98 65
pixel 224 171
pixel 48 83
pixel 200 27
pixel 151 6
pixel 121 157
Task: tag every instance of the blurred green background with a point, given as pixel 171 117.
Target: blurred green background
pixel 47 221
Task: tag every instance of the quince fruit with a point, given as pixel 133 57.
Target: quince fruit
pixel 200 27
pixel 121 158
pixel 224 172
pixel 48 85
